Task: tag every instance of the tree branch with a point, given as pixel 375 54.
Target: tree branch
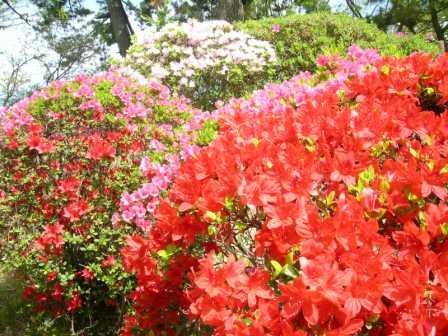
pixel 353 8
pixel 21 16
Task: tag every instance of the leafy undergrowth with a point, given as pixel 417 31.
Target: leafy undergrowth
pixel 13 310
pixel 17 316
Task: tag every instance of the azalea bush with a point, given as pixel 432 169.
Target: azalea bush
pixel 138 206
pixel 320 209
pixel 205 61
pixel 67 153
pixel 300 39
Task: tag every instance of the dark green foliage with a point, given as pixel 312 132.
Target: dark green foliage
pixel 302 38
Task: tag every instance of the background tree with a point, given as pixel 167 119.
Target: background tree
pixel 110 21
pixel 45 51
pixel 237 10
pixel 14 78
pixel 230 10
pixel 415 16
pixel 108 18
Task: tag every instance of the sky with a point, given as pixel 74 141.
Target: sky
pixel 20 40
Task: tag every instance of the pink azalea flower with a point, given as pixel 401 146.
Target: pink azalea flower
pixel 276 28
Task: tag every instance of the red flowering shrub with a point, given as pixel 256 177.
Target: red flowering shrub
pixel 66 155
pixel 325 216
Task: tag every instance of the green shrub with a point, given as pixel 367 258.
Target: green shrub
pixel 299 39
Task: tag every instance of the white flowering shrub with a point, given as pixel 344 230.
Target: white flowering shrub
pixel 205 61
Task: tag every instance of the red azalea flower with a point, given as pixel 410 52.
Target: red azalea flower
pixel 52 238
pixel 74 303
pixel 45 147
pixel 57 292
pixel 34 141
pixel 39 144
pixel 35 129
pixel 29 291
pixel 69 185
pixel 41 298
pixel 18 176
pixel 99 149
pixel 52 276
pixel 86 274
pixel 108 261
pixel 75 209
pixel 13 144
pixel 137 146
pixel 114 136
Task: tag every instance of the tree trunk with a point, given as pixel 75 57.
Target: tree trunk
pixel 121 26
pixel 230 10
pixel 436 25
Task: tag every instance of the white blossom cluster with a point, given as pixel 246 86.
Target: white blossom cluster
pixel 180 52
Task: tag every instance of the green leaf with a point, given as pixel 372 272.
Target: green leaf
pixel 290 256
pixel 330 198
pixel 444 170
pixel 228 203
pixel 213 216
pixel 367 175
pixel 414 153
pixel 429 90
pixel 163 254
pixel 277 268
pixel 212 230
pixel 290 271
pixel 247 321
pixel 111 118
pixel 444 229
pixel 422 220
pixel 167 253
pixel 208 132
pixel 240 225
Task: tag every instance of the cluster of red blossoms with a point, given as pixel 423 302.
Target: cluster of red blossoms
pixel 325 217
pixel 66 155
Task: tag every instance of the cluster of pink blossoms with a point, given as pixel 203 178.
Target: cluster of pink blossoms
pixel 333 72
pixel 138 206
pixel 121 81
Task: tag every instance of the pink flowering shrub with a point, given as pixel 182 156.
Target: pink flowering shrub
pixel 331 73
pixel 205 61
pixel 67 153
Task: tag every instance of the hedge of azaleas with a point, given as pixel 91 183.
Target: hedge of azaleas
pixel 138 206
pixel 314 212
pixel 67 153
pixel 205 61
pixel 320 209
